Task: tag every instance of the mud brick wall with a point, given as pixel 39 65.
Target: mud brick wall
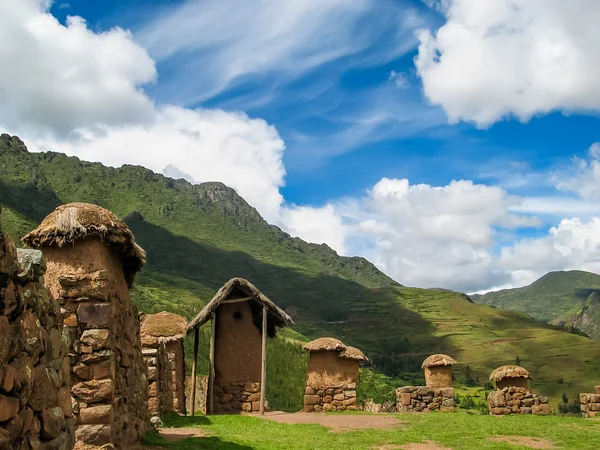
pixel 35 400
pixel 160 398
pixel 590 403
pixel 109 386
pixel 517 400
pixel 424 399
pixel 177 374
pixel 236 396
pixel 330 398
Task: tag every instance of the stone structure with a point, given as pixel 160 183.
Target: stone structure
pixel 201 394
pixel 517 400
pixel 506 376
pixel 91 259
pixel 332 374
pixel 424 399
pixel 35 400
pixel 438 371
pixel 590 403
pixel 241 320
pixel 162 342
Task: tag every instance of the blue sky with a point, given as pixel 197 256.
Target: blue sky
pixel 337 102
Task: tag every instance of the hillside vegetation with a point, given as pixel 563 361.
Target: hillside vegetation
pixel 570 298
pixel 199 236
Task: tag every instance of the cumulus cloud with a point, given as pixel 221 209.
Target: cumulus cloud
pixel 501 58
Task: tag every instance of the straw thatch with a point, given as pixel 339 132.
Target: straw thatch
pixel 239 288
pixel 438 360
pixel 75 221
pixel 509 372
pixel 164 325
pixel 353 353
pixel 326 344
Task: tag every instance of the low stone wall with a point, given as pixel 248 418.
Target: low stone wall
pixel 590 403
pixel 159 374
pixel 517 400
pixel 35 399
pixel 236 396
pixel 330 398
pixel 424 399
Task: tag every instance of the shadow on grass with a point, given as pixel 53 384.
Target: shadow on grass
pixel 189 443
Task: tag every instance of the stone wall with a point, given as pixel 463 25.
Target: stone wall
pixel 160 398
pixel 108 383
pixel 201 393
pixel 232 396
pixel 424 399
pixel 35 401
pixel 590 403
pixel 176 363
pixel 517 400
pixel 330 398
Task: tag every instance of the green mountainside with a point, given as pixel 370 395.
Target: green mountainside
pixel 570 298
pixel 199 236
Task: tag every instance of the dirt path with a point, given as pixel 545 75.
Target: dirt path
pixel 337 422
pixel 531 442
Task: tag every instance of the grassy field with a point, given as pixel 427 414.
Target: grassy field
pixel 447 430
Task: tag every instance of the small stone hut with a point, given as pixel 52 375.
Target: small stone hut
pixel 438 370
pixel 506 376
pixel 241 320
pixel 162 343
pixel 331 375
pixel 91 259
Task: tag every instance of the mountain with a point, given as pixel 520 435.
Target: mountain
pixel 199 236
pixel 569 298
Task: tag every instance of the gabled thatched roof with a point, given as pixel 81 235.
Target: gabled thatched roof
pixel 353 353
pixel 438 360
pixel 509 372
pixel 164 325
pixel 325 344
pixel 75 221
pixel 239 288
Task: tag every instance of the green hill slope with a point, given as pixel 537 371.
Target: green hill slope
pixel 568 298
pixel 199 236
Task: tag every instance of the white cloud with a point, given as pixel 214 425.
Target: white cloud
pixel 55 78
pixel 400 79
pixel 497 58
pixel 585 182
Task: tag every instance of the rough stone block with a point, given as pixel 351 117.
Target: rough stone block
pixel 312 399
pixel 44 392
pixel 96 339
pixel 94 391
pixel 94 315
pixel 9 407
pixel 96 414
pixel 52 421
pixel 94 434
pixel 405 399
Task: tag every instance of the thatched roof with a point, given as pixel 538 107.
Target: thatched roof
pixel 509 372
pixel 353 353
pixel 438 360
pixel 325 344
pixel 75 221
pixel 164 325
pixel 239 288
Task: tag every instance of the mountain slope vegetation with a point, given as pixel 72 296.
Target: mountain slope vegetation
pixel 567 298
pixel 199 236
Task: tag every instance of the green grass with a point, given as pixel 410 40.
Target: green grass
pixel 455 430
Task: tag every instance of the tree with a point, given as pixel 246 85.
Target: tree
pixel 518 361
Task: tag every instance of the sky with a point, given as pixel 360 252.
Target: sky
pixel 453 143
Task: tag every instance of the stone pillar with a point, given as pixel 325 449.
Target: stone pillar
pixel 340 397
pixel 590 403
pixel 35 403
pixel 160 399
pixel 517 400
pixel 177 376
pixel 109 384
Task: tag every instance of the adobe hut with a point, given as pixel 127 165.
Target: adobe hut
pixel 506 376
pixel 91 259
pixel 331 375
pixel 438 370
pixel 241 320
pixel 162 343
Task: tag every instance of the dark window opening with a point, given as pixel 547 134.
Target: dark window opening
pixel 237 315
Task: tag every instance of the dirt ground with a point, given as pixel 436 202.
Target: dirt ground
pixel 425 445
pixel 538 443
pixel 337 423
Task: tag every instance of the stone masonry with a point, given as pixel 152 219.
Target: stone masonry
pixel 590 403
pixel 236 396
pixel 35 400
pixel 160 397
pixel 424 399
pixel 330 398
pixel 517 400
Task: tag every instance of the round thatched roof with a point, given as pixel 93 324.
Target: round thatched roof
pixel 509 372
pixel 164 325
pixel 325 344
pixel 438 360
pixel 75 221
pixel 353 353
